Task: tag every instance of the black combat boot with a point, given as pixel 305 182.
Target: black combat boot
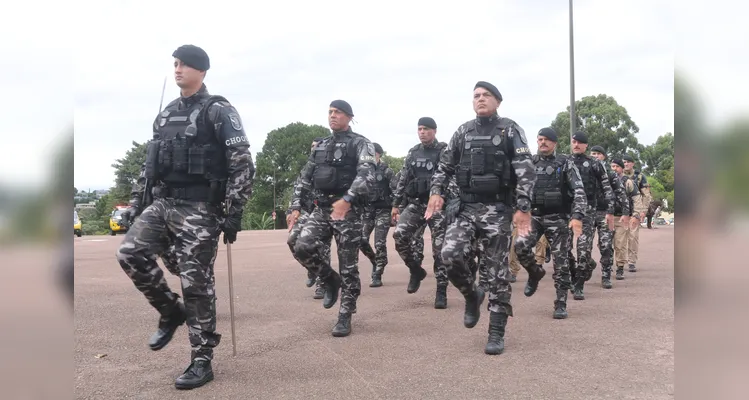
pixel 497 324
pixel 196 375
pixel 319 291
pixel 577 289
pixel 632 268
pixel 534 277
pixel 376 280
pixel 473 307
pixel 440 299
pixel 168 324
pixel 415 281
pixel 619 272
pixel 560 310
pixel 343 326
pixel 548 254
pixel 310 279
pixel 332 287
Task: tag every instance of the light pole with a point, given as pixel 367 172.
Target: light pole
pixel 573 118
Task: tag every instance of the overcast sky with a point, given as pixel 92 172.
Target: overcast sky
pixel 392 61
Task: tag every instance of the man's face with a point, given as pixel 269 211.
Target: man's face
pixel 545 146
pixel 578 148
pixel 598 155
pixel 426 135
pixel 337 119
pixel 377 157
pixel 186 76
pixel 629 166
pixel 616 168
pixel 484 103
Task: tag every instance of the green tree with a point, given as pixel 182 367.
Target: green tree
pixel 604 121
pixel 127 170
pixel 659 161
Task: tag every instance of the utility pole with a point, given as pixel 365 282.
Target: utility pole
pixel 573 117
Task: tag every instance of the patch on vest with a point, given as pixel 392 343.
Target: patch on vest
pixel 236 122
pixel 429 165
pixel 586 164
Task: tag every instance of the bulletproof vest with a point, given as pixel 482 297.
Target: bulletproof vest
pixel 424 162
pixel 484 172
pixel 628 194
pixel 335 164
pixel 585 166
pixel 600 195
pixel 381 196
pixel 549 196
pixel 186 152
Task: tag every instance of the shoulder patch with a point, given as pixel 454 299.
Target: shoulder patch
pixel 236 121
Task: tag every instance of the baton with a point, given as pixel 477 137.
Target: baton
pixel 231 294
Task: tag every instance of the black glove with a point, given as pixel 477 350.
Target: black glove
pixel 128 216
pixel 231 225
pixel 452 209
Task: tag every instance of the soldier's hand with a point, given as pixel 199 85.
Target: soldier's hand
pixel 610 221
pixel 292 218
pixel 231 225
pixel 624 220
pixel 577 227
pixel 633 222
pixel 435 204
pixel 340 208
pixel 522 222
pixel 394 215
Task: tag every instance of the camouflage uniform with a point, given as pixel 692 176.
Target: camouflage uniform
pixel 417 242
pixel 559 190
pixel 413 188
pixel 190 216
pixel 340 166
pixel 621 231
pixel 633 238
pixel 595 180
pixel 605 234
pixel 376 217
pixel 308 206
pixel 490 160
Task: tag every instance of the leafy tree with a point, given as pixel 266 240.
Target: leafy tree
pixel 395 163
pixel 127 170
pixel 659 161
pixel 604 121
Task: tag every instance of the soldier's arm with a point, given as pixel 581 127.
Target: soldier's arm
pixel 621 194
pixel 240 167
pixel 303 184
pixel 645 190
pixel 400 186
pixel 453 190
pixel 521 163
pixel 631 190
pixel 448 163
pixel 608 191
pixel 575 184
pixel 364 169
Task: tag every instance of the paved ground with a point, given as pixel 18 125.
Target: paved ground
pixel 616 344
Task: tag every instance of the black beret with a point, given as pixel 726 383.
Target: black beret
pixel 599 149
pixel 548 133
pixel 193 56
pixel 343 106
pixel 580 137
pixel 378 148
pixel 491 88
pixel 627 157
pixel 618 162
pixel 428 122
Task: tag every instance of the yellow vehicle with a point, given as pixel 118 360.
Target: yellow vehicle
pixel 115 221
pixel 77 224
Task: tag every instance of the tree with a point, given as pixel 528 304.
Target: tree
pixel 395 163
pixel 127 170
pixel 659 161
pixel 604 121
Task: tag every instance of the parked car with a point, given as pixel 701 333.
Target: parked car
pixel 115 221
pixel 77 224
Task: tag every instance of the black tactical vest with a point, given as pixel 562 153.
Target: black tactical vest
pixel 549 196
pixel 335 164
pixel 424 162
pixel 600 195
pixel 187 153
pixel 628 194
pixel 585 166
pixel 484 172
pixel 380 194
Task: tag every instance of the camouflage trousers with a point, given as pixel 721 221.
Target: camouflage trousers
pixel 194 229
pixel 583 266
pixel 555 228
pixel 377 220
pixel 410 223
pixel 492 224
pixel 605 243
pixel 291 242
pixel 310 249
pixel 477 262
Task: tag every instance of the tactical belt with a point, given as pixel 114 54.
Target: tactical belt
pixel 418 200
pixel 539 211
pixel 327 201
pixel 482 198
pixel 190 193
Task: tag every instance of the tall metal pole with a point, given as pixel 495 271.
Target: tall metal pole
pixel 573 117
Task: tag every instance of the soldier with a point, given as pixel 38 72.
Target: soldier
pixel 605 233
pixel 643 187
pixel 490 160
pixel 199 157
pixel 559 192
pixel 308 206
pixel 418 167
pixel 596 184
pixel 417 242
pixel 339 173
pixel 621 233
pixel 377 217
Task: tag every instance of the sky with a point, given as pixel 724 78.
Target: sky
pixel 394 62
